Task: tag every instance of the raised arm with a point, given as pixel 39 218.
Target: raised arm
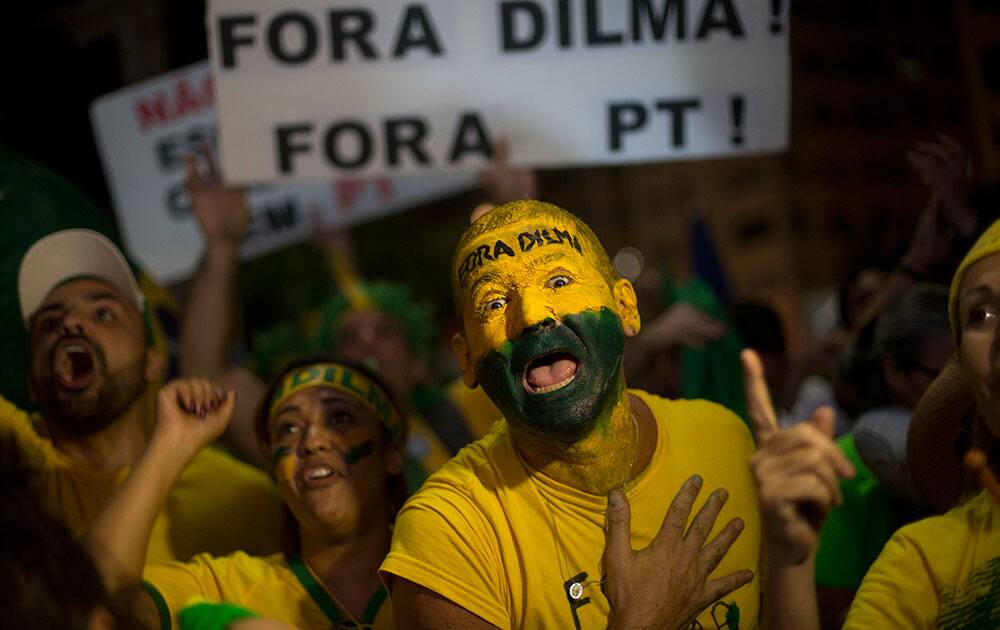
pixel 206 330
pixel 190 414
pixel 503 183
pixel 942 166
pixel 798 474
pixel 224 217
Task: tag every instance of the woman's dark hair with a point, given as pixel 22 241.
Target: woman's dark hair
pixel 900 334
pixel 47 579
pixel 910 322
pixel 398 491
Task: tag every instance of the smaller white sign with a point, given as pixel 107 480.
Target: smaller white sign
pixel 145 131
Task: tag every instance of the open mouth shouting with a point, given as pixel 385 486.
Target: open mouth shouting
pixel 74 363
pixel 557 381
pixel 550 372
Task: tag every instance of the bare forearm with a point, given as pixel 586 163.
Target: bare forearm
pixel 119 537
pixel 207 327
pixel 789 599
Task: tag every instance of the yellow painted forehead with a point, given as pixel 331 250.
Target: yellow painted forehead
pixel 512 243
pixel 516 234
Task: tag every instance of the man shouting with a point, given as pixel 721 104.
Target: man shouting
pixel 583 506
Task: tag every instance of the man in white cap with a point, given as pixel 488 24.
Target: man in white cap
pixel 91 365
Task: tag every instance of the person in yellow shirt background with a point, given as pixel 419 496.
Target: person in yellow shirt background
pixel 942 571
pixel 91 367
pixel 377 323
pixel 335 435
pixel 511 532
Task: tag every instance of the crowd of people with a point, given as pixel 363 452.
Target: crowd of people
pixel 345 487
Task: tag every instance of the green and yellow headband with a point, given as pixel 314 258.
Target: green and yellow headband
pixel 348 381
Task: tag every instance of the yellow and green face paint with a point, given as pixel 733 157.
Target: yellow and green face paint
pixel 542 331
pixel 358 452
pixel 343 379
pixel 284 461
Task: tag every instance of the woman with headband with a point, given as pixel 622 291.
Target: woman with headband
pixel 940 572
pixel 335 436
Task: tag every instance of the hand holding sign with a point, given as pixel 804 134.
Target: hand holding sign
pixel 667 584
pixel 222 212
pixel 797 470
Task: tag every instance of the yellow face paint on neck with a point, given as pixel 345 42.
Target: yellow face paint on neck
pixel 522 273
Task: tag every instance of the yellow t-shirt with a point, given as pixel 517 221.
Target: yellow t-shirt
pixel 273 587
pixel 218 506
pixel 941 572
pixel 505 544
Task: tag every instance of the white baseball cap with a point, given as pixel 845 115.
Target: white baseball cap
pixel 69 254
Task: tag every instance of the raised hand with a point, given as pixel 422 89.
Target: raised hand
pixel 944 168
pixel 191 413
pixel 222 212
pixel 666 585
pixel 682 324
pixel 797 471
pixel 504 182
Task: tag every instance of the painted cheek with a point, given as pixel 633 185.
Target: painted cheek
pixel 285 461
pixel 358 452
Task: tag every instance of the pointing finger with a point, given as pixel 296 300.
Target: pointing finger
pixel 759 406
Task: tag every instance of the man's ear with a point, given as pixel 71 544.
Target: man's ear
pixel 461 349
pixel 156 365
pixel 628 306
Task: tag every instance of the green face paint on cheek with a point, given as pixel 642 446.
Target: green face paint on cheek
pixel 359 451
pixel 595 340
pixel 284 461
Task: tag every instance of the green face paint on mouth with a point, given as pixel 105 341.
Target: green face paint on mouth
pixel 558 381
pixel 355 453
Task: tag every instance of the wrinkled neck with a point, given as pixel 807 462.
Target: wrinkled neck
pixel 612 454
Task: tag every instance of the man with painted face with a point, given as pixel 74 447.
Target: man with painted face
pixel 90 369
pixel 562 516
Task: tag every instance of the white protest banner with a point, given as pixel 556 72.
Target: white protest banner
pixel 390 86
pixel 144 133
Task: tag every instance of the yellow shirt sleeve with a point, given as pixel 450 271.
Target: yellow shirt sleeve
pixel 465 568
pixel 898 590
pixel 16 422
pixel 173 585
